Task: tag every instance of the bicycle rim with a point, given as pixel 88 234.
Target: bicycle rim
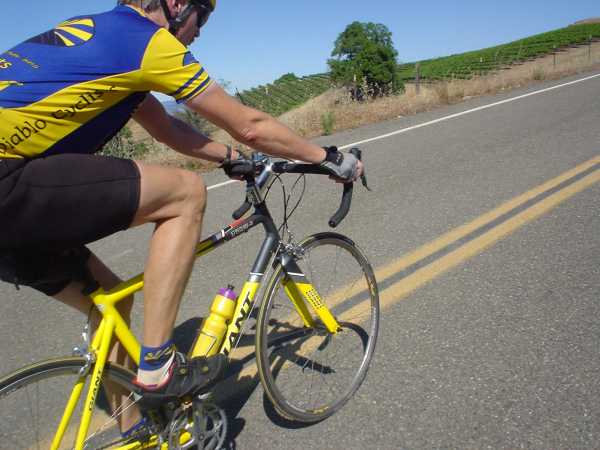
pixel 307 373
pixel 32 402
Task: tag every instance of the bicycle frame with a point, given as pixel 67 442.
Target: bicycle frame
pixel 297 287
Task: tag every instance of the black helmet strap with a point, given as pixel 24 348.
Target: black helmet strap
pixel 175 22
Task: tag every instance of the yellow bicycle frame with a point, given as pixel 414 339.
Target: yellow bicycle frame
pixel 298 289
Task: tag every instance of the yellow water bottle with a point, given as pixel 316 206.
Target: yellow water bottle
pixel 215 325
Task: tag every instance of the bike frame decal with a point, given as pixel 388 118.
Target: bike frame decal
pixel 90 402
pixel 66 418
pixel 75 395
pixel 299 292
pixel 296 297
pixel 242 310
pixel 100 347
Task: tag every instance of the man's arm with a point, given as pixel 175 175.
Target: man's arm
pixel 175 133
pixel 249 126
pixel 252 127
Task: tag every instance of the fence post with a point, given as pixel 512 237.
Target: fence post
pixel 417 78
pixel 590 49
pixel 554 57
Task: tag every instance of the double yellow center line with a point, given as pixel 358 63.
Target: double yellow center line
pixel 470 239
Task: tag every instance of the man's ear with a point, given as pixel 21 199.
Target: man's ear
pixel 173 8
pixel 178 5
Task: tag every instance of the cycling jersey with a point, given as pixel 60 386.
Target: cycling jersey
pixel 69 90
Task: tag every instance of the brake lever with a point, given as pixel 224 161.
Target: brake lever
pixel 238 213
pixel 363 178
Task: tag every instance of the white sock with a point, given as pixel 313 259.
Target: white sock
pixel 154 378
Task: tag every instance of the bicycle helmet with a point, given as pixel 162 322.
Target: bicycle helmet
pixel 203 7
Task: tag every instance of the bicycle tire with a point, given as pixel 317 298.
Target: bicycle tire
pixel 44 413
pixel 291 400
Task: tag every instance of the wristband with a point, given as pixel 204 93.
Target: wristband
pixel 333 155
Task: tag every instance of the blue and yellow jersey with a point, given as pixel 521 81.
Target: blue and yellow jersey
pixel 71 89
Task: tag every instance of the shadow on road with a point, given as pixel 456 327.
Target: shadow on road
pixel 240 381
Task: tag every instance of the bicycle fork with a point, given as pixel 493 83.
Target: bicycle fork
pixel 301 292
pixel 298 289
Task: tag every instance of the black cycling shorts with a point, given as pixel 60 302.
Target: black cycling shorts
pixel 51 207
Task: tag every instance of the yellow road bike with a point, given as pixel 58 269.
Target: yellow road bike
pixel 315 334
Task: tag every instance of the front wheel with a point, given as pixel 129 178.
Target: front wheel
pixel 308 373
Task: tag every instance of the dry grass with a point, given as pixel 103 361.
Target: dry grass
pixel 307 120
pixel 586 21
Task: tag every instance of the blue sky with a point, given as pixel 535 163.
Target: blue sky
pixel 248 43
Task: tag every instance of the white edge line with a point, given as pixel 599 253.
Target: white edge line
pixel 480 108
pixel 442 119
pixel 225 183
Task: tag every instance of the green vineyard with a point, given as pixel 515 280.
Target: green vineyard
pixel 281 96
pixel 291 92
pixel 481 62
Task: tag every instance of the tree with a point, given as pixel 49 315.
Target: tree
pixel 364 60
pixel 286 78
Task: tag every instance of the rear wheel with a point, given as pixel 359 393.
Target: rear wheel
pixel 307 373
pixel 32 402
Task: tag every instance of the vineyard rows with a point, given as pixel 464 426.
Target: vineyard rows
pixel 279 97
pixel 480 62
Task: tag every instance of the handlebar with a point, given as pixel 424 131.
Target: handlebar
pixel 253 172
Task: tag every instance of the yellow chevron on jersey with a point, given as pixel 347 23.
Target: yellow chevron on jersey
pixel 6 84
pixel 69 32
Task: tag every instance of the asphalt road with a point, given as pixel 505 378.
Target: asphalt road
pixel 489 334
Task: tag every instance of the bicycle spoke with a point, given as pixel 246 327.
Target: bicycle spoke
pixel 35 417
pixel 113 419
pixel 335 267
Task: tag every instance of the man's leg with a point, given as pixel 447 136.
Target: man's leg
pixel 174 200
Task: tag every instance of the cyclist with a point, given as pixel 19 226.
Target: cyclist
pixel 63 95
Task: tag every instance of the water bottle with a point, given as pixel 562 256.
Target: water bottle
pixel 215 325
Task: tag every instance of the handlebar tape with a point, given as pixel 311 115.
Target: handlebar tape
pixel 342 212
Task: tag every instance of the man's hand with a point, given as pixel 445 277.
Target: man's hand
pixel 344 167
pixel 231 161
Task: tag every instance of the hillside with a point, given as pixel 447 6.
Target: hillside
pixel 501 57
pixel 588 21
pixel 279 97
